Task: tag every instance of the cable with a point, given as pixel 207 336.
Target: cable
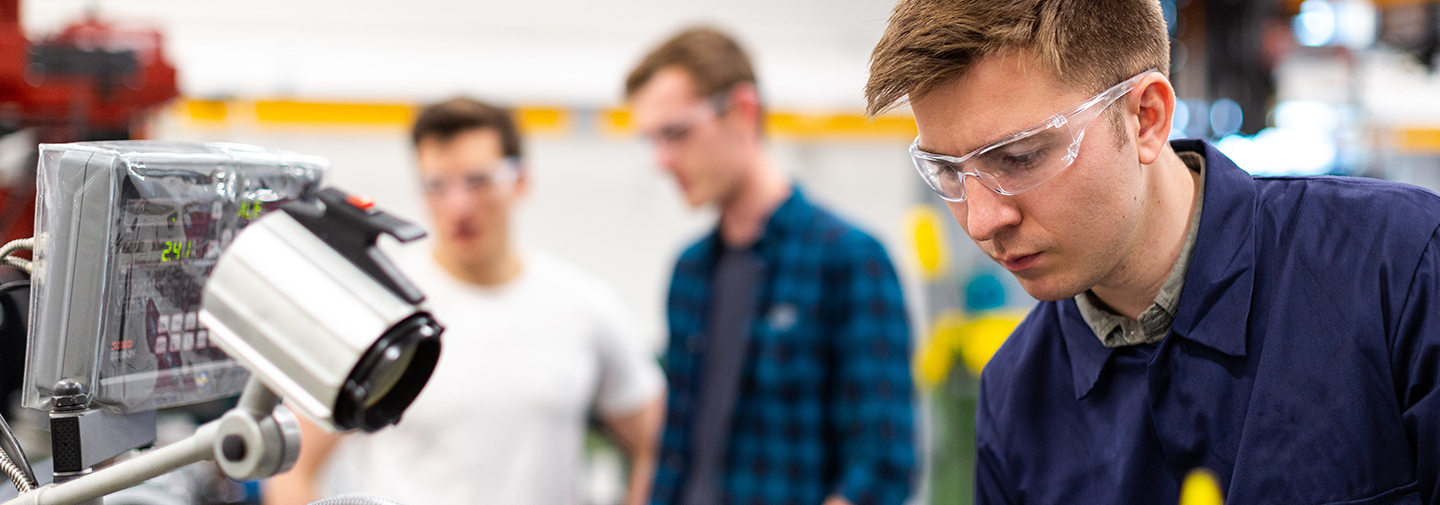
pixel 25 244
pixel 6 288
pixel 17 476
pixel 12 458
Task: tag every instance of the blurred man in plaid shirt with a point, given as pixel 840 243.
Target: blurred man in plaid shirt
pixel 789 346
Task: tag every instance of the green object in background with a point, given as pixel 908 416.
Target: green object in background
pixel 970 337
pixel 605 467
pixel 952 470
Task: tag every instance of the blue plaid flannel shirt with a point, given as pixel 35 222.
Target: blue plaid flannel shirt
pixel 826 400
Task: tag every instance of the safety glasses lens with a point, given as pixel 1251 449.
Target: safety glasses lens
pixel 1007 168
pixel 942 177
pixel 1026 162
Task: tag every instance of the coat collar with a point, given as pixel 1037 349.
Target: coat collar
pixel 1216 311
pixel 789 219
pixel 1215 303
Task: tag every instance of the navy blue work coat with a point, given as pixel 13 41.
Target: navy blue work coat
pixel 1303 365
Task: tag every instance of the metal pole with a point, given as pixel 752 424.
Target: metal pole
pixel 126 474
pixel 257 399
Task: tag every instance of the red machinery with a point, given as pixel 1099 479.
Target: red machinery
pixel 91 81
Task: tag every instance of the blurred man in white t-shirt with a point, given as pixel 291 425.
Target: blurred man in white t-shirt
pixel 531 346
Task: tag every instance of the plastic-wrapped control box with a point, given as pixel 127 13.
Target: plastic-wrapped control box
pixel 126 235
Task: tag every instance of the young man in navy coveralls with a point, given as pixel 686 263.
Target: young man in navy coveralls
pixel 1281 332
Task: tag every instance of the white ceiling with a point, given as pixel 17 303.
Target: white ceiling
pixel 809 53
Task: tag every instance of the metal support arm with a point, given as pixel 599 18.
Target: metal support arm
pixel 256 439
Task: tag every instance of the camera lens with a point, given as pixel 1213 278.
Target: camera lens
pixel 390 375
pixel 388 372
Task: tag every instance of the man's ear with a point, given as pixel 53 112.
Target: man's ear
pixel 522 183
pixel 1155 109
pixel 745 104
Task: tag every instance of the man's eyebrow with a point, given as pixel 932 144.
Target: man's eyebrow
pixel 996 138
pixel 966 152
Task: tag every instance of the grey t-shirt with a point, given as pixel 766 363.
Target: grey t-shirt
pixel 738 273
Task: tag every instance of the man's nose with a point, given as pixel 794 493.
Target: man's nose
pixel 666 156
pixel 987 212
pixel 457 199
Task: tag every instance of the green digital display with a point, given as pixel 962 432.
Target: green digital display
pixel 251 209
pixel 179 250
pixel 176 250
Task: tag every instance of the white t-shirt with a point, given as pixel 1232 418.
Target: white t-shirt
pixel 502 420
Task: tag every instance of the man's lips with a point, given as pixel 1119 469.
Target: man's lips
pixel 464 232
pixel 1019 262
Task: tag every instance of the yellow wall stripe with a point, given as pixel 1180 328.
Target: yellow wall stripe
pixel 552 120
pixel 288 111
pixel 544 120
pixel 206 111
pixel 1418 139
pixel 800 125
pixel 616 121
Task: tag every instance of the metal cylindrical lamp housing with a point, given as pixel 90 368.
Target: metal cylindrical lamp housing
pixel 341 343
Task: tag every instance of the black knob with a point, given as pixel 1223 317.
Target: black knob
pixel 69 394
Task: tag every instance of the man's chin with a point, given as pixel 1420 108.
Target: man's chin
pixel 462 243
pixel 1048 289
pixel 696 199
pixel 463 246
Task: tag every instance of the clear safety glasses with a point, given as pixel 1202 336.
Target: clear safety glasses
pixel 676 132
pixel 475 180
pixel 1022 161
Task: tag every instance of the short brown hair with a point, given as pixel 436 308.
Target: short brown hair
pixel 713 59
pixel 1089 43
pixel 443 121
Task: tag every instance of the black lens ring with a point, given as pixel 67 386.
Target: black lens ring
pixel 419 330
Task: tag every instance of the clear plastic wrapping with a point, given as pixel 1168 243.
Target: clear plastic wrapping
pixel 126 235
